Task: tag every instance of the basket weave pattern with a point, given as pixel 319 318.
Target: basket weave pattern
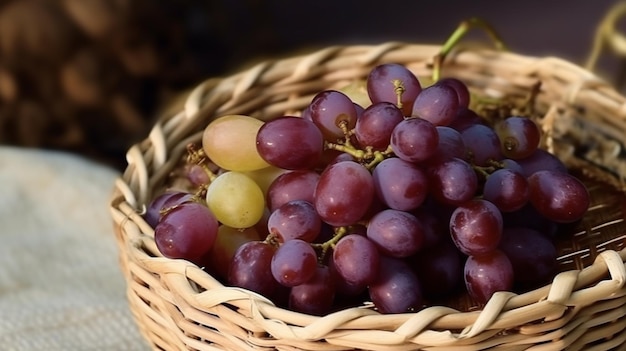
pixel 178 306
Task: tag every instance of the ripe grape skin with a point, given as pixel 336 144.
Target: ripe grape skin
pixel 487 274
pixel 414 139
pixel 380 85
pixel 506 189
pixel 291 143
pixel 186 231
pixel 438 104
pixel 293 185
pixel 396 288
pixel 344 193
pixel 163 201
pixel 328 110
pixel 399 184
pixel 439 269
pixel 483 144
pixel 460 88
pixel 230 142
pixel 295 219
pixel 376 124
pixel 519 136
pixel 532 255
pixel 396 233
pixel 316 296
pixel 294 263
pixel 452 181
pixel 356 259
pixel 541 160
pixel 558 196
pixel 450 145
pixel 251 268
pixel 227 242
pixel 476 227
pixel 465 117
pixel 235 200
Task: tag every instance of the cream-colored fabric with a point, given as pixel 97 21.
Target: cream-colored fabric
pixel 60 284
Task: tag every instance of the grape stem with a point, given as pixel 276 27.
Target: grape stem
pixel 457 35
pixel 197 156
pixel 340 232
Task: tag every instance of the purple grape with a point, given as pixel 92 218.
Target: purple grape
pixel 414 139
pixel 294 185
pixel 396 288
pixel 399 184
pixel 541 160
pixel 396 233
pixel 460 88
pixel 329 109
pixel 437 104
pixel 482 143
pixel 316 296
pixel 487 274
pixel 506 189
pixel 440 269
pixel 375 126
pixel 476 227
pixel 450 145
pixel 344 193
pixel 532 255
pixel 558 196
pixel 163 201
pixel 452 181
pixel 294 263
pixel 519 136
pixel 295 219
pixel 186 231
pixel 383 82
pixel 356 259
pixel 290 143
pixel 465 117
pixel 251 268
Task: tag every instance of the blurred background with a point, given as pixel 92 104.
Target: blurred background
pixel 89 76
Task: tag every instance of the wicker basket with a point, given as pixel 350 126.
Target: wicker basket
pixel 178 306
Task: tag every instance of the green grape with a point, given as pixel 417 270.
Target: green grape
pixel 230 142
pixel 235 200
pixel 264 177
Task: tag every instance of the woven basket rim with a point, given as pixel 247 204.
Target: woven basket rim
pixel 151 160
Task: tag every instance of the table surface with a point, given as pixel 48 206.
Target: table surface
pixel 61 287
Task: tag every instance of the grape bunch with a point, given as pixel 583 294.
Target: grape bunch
pixel 400 199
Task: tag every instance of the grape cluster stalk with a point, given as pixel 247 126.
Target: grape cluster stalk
pixel 410 198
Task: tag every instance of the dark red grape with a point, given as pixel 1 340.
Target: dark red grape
pixel 461 89
pixel 329 109
pixel 374 127
pixel 414 139
pixel 506 189
pixel 439 269
pixel 295 219
pixel 316 296
pixel 452 181
pixel 396 288
pixel 294 185
pixel 251 268
pixel 186 231
pixel 487 274
pixel 482 143
pixel 163 201
pixel 399 184
pixel 386 81
pixel 558 196
pixel 290 143
pixel 476 227
pixel 396 233
pixel 437 104
pixel 344 193
pixel 519 136
pixel 356 259
pixel 541 160
pixel 532 255
pixel 294 263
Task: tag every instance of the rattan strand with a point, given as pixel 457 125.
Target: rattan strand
pixel 179 306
